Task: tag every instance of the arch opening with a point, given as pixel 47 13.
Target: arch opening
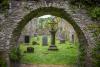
pixel 39 39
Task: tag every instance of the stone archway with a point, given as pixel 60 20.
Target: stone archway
pixel 19 15
pixel 56 12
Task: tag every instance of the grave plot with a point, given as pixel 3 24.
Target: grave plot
pixel 41 55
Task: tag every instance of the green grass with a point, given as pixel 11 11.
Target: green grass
pixel 67 54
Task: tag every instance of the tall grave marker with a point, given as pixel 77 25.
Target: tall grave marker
pixel 44 40
pixel 27 39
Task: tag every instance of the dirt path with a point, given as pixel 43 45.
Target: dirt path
pixel 43 65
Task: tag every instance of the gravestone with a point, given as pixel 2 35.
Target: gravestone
pixel 35 34
pixel 44 40
pixel 27 39
pixel 30 49
pixel 61 38
pixel 72 38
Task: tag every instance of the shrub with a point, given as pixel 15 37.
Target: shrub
pixel 15 55
pixel 95 13
pixel 2 63
pixel 4 4
pixel 91 6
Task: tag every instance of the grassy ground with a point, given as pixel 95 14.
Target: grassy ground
pixel 67 54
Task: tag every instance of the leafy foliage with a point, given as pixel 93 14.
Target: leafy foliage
pixel 95 13
pixel 92 6
pixel 4 4
pixel 15 55
pixel 2 62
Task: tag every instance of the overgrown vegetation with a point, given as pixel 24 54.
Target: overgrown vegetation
pixel 92 6
pixel 94 12
pixel 67 54
pixel 4 5
pixel 15 55
pixel 2 62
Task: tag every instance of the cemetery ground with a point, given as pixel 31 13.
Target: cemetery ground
pixel 67 53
